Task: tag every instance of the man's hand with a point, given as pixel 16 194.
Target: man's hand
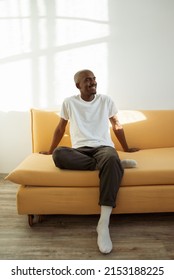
pixel 131 150
pixel 44 153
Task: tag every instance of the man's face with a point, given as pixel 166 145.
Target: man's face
pixel 87 83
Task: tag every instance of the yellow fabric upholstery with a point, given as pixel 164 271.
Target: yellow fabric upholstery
pixel 72 200
pixel 43 124
pixel 149 187
pixel 155 167
pixel 144 129
pixel 148 129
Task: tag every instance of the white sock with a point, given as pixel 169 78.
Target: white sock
pixel 128 163
pixel 104 241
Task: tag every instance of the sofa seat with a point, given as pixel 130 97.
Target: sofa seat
pixel 155 167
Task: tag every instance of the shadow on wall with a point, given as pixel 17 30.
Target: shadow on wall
pixel 48 47
pixel 15 139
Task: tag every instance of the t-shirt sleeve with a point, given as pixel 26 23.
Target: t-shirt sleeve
pixel 64 111
pixel 112 108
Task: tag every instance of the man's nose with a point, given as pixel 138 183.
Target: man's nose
pixel 94 83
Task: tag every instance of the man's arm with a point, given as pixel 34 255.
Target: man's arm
pixel 119 133
pixel 58 134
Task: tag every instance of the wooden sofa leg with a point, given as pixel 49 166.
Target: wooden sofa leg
pixel 34 219
pixel 30 220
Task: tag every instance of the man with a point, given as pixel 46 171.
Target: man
pixel 92 148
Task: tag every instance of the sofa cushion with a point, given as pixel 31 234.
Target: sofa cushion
pixel 155 167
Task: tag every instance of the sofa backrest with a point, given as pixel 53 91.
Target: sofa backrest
pixel 145 129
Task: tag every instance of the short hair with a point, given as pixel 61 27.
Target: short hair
pixel 79 73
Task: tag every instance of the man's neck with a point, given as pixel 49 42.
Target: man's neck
pixel 87 98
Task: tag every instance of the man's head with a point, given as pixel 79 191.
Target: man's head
pixel 86 82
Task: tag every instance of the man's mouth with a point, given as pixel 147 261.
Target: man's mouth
pixel 92 87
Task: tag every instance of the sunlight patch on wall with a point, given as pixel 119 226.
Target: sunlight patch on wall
pixel 86 9
pixel 130 116
pixel 70 64
pixel 16 86
pixel 82 21
pixel 14 28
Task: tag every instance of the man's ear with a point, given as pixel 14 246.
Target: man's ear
pixel 78 85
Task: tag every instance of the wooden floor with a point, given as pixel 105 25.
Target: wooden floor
pixel 142 236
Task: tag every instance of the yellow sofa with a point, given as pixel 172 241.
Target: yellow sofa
pixel 45 189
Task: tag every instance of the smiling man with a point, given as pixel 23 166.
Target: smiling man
pixel 89 114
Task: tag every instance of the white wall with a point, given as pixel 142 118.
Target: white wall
pixel 127 43
pixel 141 64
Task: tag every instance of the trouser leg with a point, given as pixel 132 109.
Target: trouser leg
pixel 85 158
pixel 73 159
pixel 110 173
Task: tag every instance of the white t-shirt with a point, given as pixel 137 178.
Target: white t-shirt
pixel 89 121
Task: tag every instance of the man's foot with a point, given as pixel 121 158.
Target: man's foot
pixel 128 163
pixel 104 241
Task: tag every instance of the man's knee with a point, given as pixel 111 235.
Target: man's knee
pixel 59 154
pixel 112 156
